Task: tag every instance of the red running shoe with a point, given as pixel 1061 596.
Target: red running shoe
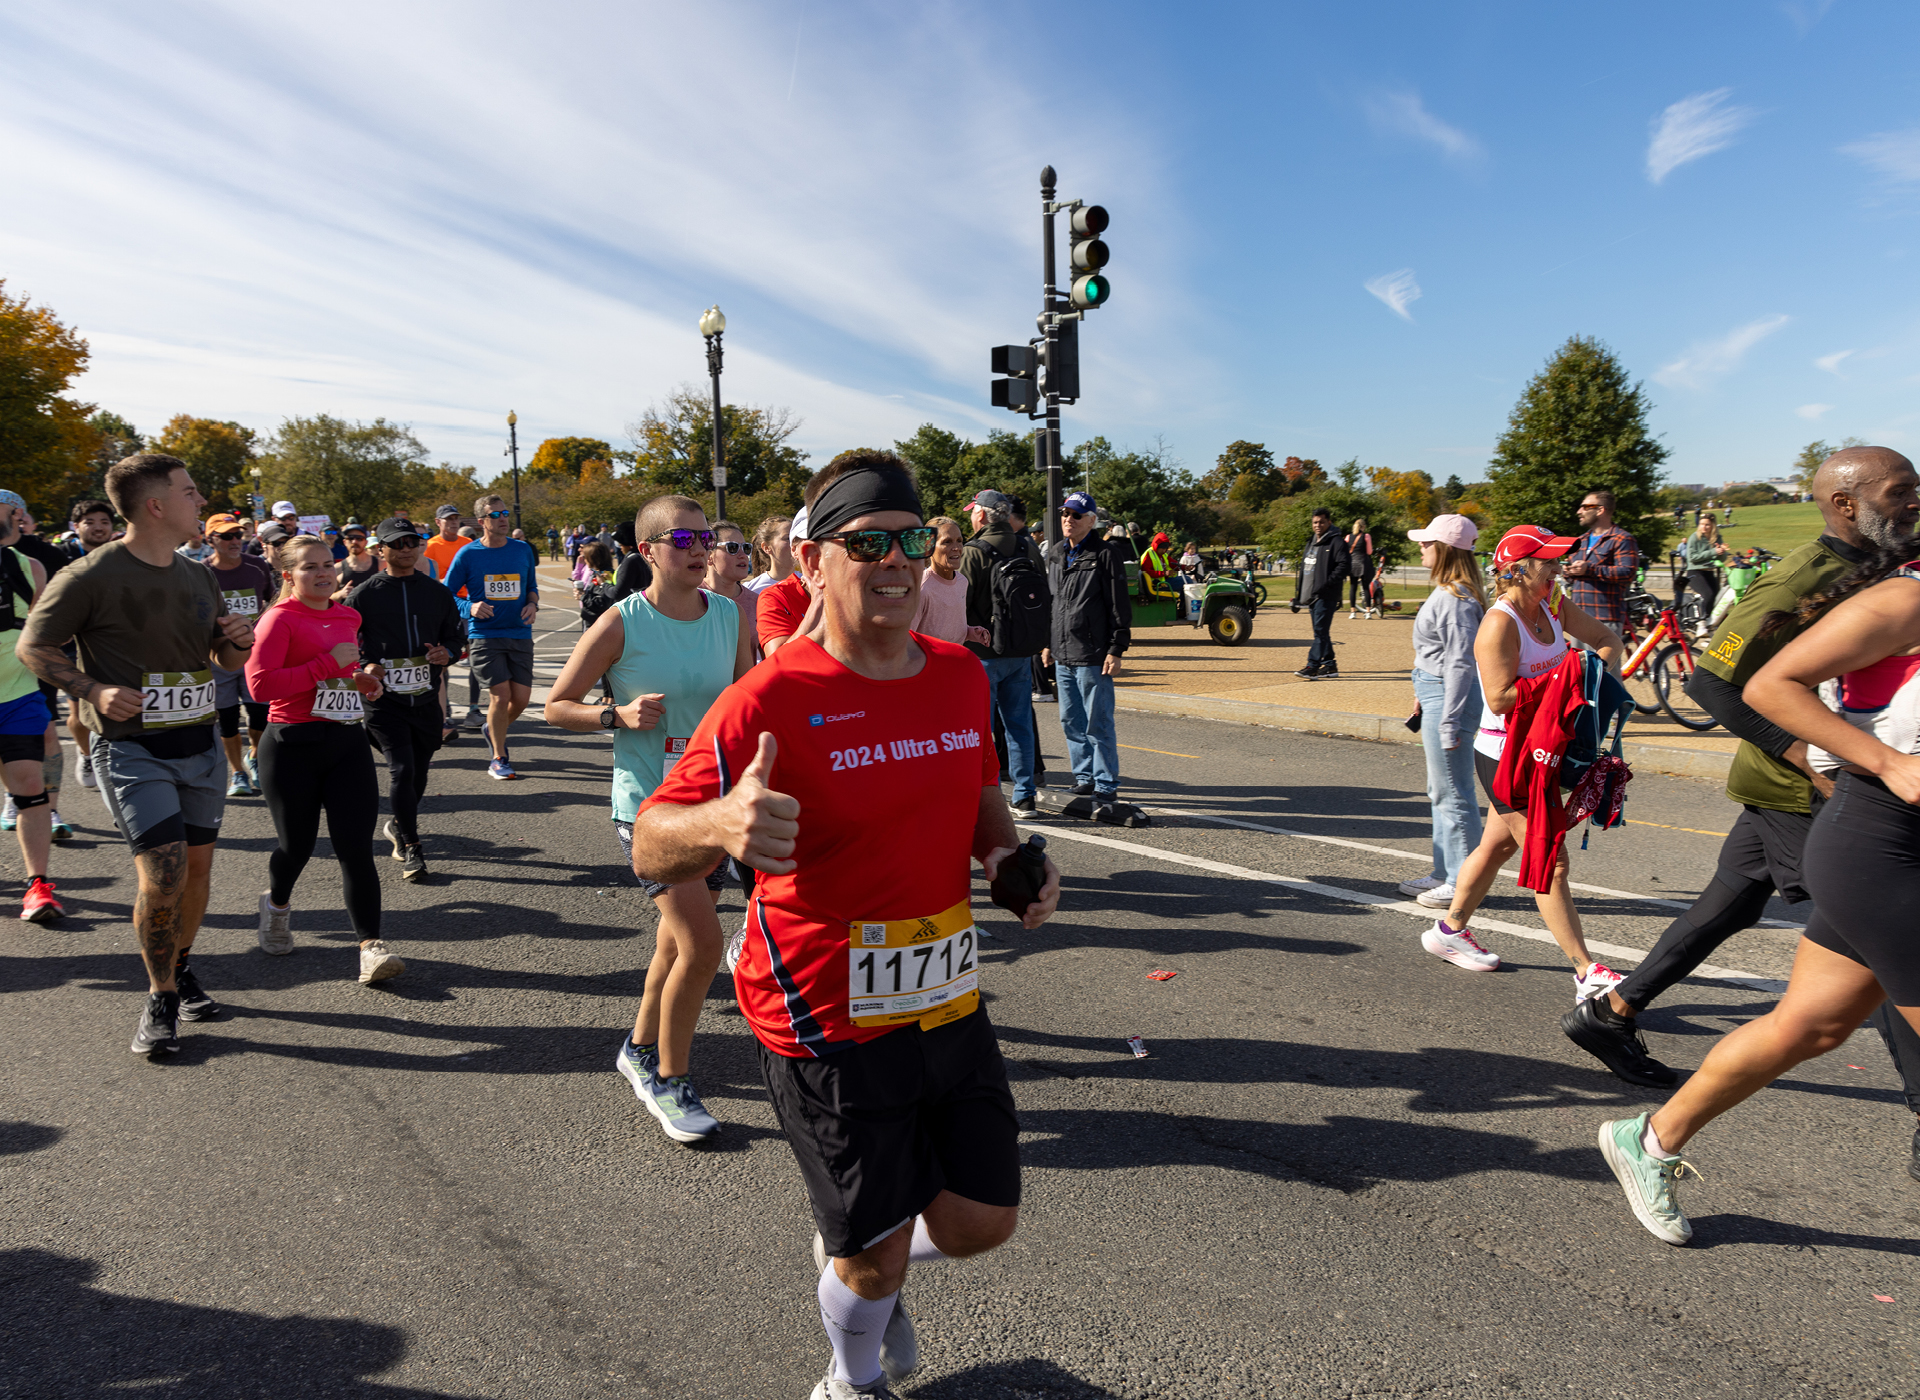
pixel 40 907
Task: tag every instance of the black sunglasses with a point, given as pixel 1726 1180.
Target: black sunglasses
pixel 1072 514
pixel 683 539
pixel 405 542
pixel 230 535
pixel 871 546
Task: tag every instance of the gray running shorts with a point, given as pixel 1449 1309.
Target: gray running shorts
pixel 157 801
pixel 498 660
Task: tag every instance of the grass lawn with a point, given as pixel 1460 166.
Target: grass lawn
pixel 1778 528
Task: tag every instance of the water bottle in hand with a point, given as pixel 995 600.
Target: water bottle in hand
pixel 1022 876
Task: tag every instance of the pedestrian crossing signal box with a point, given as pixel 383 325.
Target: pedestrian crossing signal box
pixel 1021 363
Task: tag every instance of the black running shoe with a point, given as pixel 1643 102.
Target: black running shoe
pixel 195 1004
pixel 1330 671
pixel 159 1032
pixel 1913 1162
pixel 413 867
pixel 1027 807
pixel 1308 672
pixel 1083 789
pixel 1615 1042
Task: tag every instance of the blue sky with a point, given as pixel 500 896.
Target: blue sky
pixel 1341 230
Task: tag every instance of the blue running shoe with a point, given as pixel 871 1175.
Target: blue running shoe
pixel 238 786
pixel 675 1103
pixel 252 763
pixel 501 769
pixel 637 1066
pixel 61 831
pixel 9 815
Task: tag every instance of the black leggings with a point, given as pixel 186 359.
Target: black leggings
pixel 307 768
pixel 409 736
pixel 1706 583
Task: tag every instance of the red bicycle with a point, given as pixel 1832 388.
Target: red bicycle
pixel 1660 663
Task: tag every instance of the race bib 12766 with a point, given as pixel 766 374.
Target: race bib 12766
pixel 409 675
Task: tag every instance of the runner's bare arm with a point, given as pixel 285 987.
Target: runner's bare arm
pixel 50 663
pixel 743 650
pixel 592 655
pixel 754 824
pixel 995 838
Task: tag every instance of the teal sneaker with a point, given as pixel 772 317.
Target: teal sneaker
pixel 238 786
pixel 1648 1180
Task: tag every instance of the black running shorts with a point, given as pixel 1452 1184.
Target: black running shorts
pixel 1769 847
pixel 1484 768
pixel 880 1129
pixel 1863 869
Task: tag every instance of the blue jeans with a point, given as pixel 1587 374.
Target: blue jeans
pixel 1086 716
pixel 1456 808
pixel 1320 611
pixel 1010 691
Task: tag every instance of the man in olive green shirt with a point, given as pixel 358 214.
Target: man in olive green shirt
pixel 1869 497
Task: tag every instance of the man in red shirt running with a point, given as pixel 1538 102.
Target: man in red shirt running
pixel 860 970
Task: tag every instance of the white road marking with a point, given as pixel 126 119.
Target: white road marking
pixel 1400 906
pixel 1416 855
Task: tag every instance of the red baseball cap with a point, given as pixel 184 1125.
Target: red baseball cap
pixel 1531 542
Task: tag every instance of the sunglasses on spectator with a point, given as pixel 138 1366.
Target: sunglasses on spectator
pixel 231 535
pixel 683 539
pixel 734 546
pixel 1072 514
pixel 871 546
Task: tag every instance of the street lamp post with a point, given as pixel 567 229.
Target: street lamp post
pixel 713 325
pixel 513 448
pixel 259 501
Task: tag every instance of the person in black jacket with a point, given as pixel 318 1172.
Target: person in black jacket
pixel 410 632
pixel 1009 674
pixel 1092 622
pixel 1323 567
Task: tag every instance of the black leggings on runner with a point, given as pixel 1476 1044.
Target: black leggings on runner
pixel 323 766
pixel 409 736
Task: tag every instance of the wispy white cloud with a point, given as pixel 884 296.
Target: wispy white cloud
pixel 1831 363
pixel 1805 13
pixel 1893 155
pixel 1396 289
pixel 1694 127
pixel 1811 411
pixel 1712 359
pixel 1404 114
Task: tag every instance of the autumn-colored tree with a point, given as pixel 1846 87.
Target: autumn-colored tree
pixel 560 459
pixel 220 456
pixel 1410 493
pixel 1302 474
pixel 46 442
pixel 673 447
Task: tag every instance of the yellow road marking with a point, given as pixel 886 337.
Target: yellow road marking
pixel 1168 752
pixel 1691 831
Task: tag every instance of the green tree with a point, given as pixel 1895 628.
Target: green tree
pixel 220 456
pixel 48 446
pixel 1579 425
pixel 934 454
pixel 1291 521
pixel 1812 455
pixel 329 466
pixel 444 485
pixel 118 439
pixel 1455 488
pixel 561 459
pixel 1244 472
pixel 1348 473
pixel 1145 488
pixel 673 448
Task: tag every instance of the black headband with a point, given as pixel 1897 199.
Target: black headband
pixel 861 491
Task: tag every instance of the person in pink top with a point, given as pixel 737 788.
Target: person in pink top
pixel 943 589
pixel 305 664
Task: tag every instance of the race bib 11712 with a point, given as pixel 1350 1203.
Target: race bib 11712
pixel 925 970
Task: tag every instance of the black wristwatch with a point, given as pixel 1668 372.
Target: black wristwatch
pixel 610 718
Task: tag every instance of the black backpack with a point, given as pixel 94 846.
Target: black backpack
pixel 1022 604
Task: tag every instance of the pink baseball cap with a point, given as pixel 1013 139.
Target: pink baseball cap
pixel 1455 530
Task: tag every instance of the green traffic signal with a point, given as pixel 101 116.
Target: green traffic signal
pixel 1091 290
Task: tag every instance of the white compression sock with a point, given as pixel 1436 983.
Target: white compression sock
pixel 923 1249
pixel 1650 1140
pixel 854 1326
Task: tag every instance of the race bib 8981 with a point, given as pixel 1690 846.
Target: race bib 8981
pixel 502 588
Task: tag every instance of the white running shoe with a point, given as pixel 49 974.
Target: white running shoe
pixel 1420 886
pixel 1599 978
pixel 275 934
pixel 377 964
pixel 87 779
pixel 736 942
pixel 392 833
pixel 1459 948
pixel 1439 897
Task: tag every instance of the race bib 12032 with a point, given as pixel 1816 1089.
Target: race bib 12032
pixel 174 699
pixel 925 970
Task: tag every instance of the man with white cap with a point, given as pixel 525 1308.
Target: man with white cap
pixel 787 609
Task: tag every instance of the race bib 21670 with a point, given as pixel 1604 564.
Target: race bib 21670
pixel 174 699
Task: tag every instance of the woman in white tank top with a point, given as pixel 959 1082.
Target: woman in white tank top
pixel 1522 637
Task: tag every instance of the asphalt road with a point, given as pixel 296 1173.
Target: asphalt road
pixel 1345 1167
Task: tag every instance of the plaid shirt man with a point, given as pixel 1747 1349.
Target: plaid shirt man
pixel 1612 559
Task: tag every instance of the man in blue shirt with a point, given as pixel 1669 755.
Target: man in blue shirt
pixel 498 573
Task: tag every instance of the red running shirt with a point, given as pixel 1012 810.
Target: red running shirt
pixel 780 610
pixel 292 656
pixel 888 775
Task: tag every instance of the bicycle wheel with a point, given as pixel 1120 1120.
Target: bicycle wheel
pixel 1259 594
pixel 1672 669
pixel 1646 699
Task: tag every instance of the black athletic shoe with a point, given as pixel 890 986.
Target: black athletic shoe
pixel 1330 670
pixel 1309 672
pixel 159 1031
pixel 1083 789
pixel 195 1004
pixel 1615 1042
pixel 413 867
pixel 1026 807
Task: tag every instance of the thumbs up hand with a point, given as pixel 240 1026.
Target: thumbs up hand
pixel 758 825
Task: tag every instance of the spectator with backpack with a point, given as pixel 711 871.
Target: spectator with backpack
pixel 1007 594
pixel 1092 627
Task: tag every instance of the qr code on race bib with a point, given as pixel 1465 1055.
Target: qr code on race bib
pixel 873 935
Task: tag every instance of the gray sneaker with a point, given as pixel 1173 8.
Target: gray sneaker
pixel 834 1389
pixel 1648 1180
pixel 377 963
pixel 676 1104
pixel 275 934
pixel 159 1030
pixel 899 1347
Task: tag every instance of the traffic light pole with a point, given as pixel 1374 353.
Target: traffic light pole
pixel 1049 438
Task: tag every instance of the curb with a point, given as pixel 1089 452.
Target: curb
pixel 1386 729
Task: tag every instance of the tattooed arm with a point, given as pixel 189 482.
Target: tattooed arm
pixel 51 665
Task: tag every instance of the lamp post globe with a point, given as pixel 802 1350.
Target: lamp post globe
pixel 713 324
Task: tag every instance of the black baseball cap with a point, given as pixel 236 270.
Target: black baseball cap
pixel 396 528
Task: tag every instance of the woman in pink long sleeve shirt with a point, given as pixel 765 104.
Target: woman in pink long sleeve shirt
pixel 305 664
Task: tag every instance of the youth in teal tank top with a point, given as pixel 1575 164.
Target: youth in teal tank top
pixel 689 663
